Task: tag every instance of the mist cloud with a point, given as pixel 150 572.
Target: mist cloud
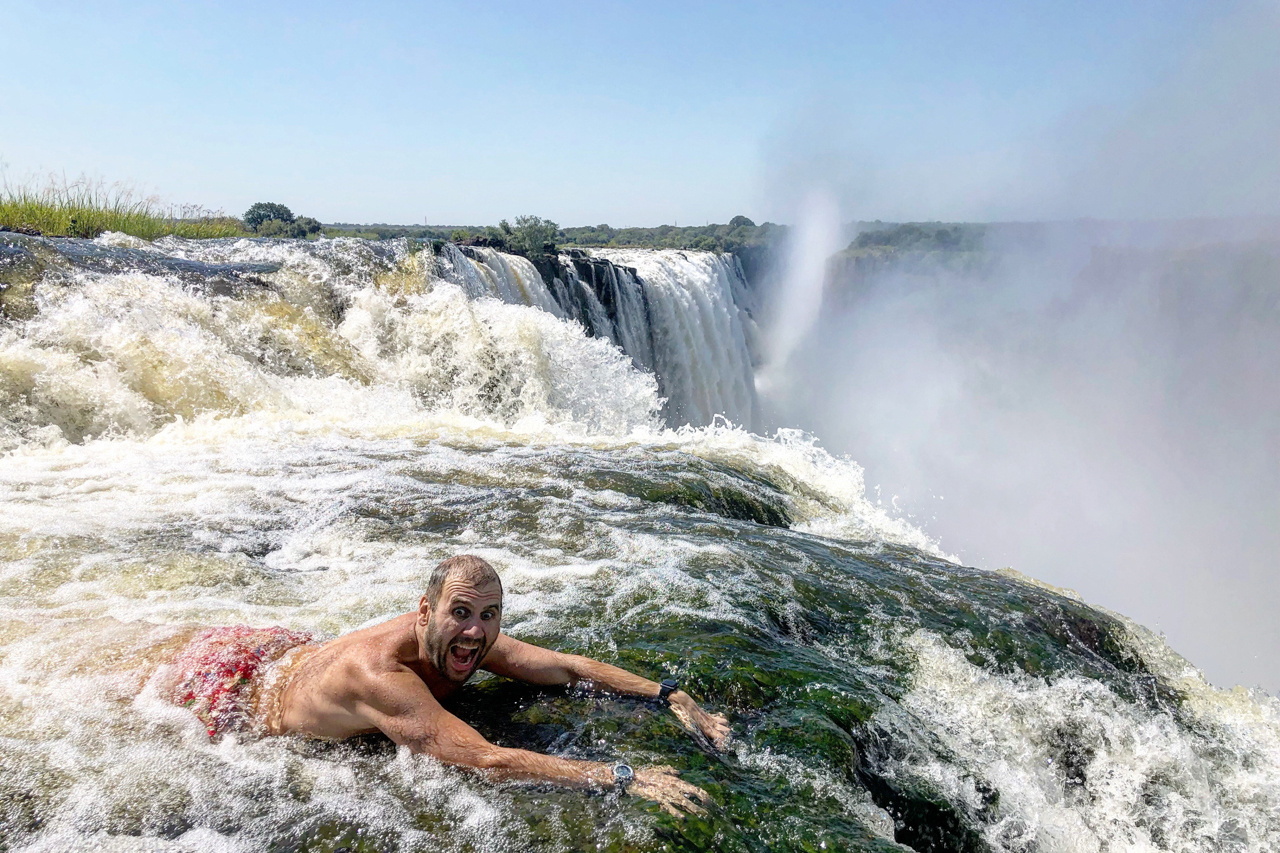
pixel 1098 407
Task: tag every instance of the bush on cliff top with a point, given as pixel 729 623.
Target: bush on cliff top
pixel 532 235
pixel 266 211
pixel 268 219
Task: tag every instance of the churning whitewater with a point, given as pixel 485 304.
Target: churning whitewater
pixel 200 433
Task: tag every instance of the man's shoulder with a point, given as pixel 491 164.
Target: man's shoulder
pixel 369 655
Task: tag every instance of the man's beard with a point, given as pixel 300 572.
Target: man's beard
pixel 438 652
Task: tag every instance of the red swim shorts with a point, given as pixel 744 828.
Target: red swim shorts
pixel 216 667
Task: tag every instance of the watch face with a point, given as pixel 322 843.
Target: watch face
pixel 623 773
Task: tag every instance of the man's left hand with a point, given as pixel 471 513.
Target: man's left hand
pixel 715 727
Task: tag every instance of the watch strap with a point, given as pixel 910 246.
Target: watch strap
pixel 666 688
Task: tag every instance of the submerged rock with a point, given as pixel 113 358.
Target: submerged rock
pixel 64 257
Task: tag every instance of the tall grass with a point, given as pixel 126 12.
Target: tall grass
pixel 84 208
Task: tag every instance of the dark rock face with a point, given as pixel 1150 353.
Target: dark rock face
pixel 757 263
pixel 22 229
pixel 602 296
pixel 484 242
pixel 603 278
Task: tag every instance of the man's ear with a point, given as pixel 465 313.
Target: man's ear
pixel 424 610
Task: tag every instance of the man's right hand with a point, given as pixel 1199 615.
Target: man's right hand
pixel 664 787
pixel 715 727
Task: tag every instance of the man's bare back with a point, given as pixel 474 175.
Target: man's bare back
pixel 391 678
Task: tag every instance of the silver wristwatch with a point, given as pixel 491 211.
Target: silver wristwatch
pixel 623 776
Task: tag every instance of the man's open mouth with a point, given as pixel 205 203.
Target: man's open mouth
pixel 462 658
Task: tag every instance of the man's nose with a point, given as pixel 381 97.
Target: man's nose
pixel 473 630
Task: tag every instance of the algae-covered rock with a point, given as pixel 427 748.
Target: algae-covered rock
pixel 701 485
pixel 21 266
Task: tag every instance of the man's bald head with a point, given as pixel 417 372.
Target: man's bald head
pixel 466 567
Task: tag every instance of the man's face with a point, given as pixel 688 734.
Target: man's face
pixel 462 627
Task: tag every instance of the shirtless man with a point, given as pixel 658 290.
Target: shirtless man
pixel 392 676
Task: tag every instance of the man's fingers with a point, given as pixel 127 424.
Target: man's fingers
pixel 695 792
pixel 673 803
pixel 683 803
pixel 714 727
pixel 718 732
pixel 693 808
pixel 663 785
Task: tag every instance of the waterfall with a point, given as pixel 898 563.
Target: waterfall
pixel 680 315
pixel 270 317
pixel 486 272
pixel 700 337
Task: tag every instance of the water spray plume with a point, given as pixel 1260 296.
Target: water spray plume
pixel 799 298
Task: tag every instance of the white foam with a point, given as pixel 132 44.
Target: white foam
pixel 1136 779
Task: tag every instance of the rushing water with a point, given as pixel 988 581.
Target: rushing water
pixel 268 432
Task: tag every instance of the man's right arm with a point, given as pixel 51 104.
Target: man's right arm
pixel 405 711
pixel 401 706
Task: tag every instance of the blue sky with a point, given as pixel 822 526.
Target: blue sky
pixel 641 114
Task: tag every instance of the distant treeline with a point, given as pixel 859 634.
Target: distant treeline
pixel 874 238
pixel 915 248
pixel 737 233
pixel 384 231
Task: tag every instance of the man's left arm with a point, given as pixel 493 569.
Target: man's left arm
pixel 513 658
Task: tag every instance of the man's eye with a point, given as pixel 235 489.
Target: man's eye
pixel 460 612
pixel 487 615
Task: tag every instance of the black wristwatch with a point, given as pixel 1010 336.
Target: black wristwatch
pixel 669 686
pixel 623 776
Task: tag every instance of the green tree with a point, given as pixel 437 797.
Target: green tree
pixel 497 237
pixel 274 228
pixel 264 211
pixel 533 236
pixel 739 221
pixel 299 229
